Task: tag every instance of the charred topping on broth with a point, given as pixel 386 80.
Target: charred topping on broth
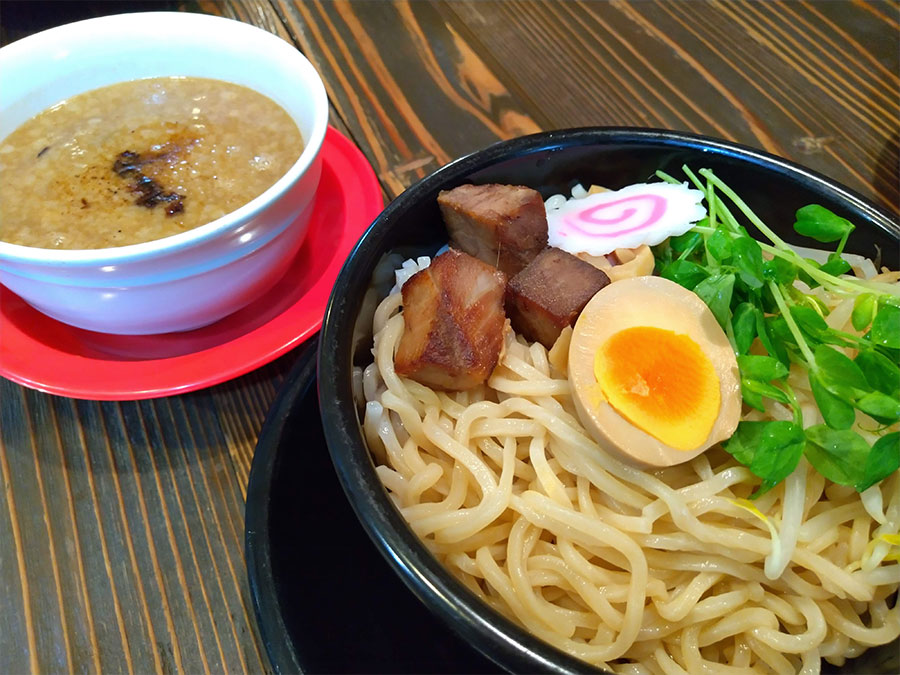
pixel 131 164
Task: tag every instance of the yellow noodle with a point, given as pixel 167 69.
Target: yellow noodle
pixel 635 571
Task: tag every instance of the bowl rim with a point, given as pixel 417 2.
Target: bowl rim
pixel 275 48
pixel 496 636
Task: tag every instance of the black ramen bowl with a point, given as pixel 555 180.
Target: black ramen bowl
pixel 411 225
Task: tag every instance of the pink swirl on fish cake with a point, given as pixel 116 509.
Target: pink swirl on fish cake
pixel 587 223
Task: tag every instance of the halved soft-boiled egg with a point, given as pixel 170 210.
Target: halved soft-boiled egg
pixel 654 378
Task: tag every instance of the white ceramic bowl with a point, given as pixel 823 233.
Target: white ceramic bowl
pixel 196 277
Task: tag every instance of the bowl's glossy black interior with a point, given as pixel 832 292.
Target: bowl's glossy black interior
pixel 551 163
pixel 312 577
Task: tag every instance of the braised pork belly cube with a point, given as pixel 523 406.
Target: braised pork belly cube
pixel 550 293
pixel 503 225
pixel 453 311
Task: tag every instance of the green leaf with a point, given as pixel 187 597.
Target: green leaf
pixel 810 321
pixel 836 266
pixel 838 372
pixel 886 327
pixel 821 224
pixel 881 373
pixel 885 409
pixel 803 275
pixel 662 256
pixel 836 411
pixel 810 315
pixel 770 450
pixel 764 368
pixel 716 292
pixel 685 242
pixel 719 245
pixel 748 259
pixel 780 271
pixel 840 456
pixel 744 441
pixel 767 302
pixel 745 320
pixel 780 446
pixel 684 273
pixel 763 335
pixel 780 337
pixel 863 311
pixel 892 354
pixel 752 398
pixel 758 388
pixel 883 460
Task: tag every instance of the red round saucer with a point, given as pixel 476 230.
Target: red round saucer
pixel 42 353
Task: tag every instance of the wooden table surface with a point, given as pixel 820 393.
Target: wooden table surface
pixel 121 524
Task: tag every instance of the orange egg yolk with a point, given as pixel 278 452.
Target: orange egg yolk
pixel 661 382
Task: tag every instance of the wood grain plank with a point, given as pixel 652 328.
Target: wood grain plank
pixel 852 135
pixel 842 54
pixel 61 500
pixel 149 502
pixel 887 11
pixel 128 497
pixel 231 599
pixel 195 429
pixel 779 75
pixel 147 634
pixel 241 407
pixel 18 652
pixel 606 71
pixel 49 474
pixel 396 92
pixel 241 423
pixel 40 580
pixel 191 534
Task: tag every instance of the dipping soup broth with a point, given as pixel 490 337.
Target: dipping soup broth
pixel 139 161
